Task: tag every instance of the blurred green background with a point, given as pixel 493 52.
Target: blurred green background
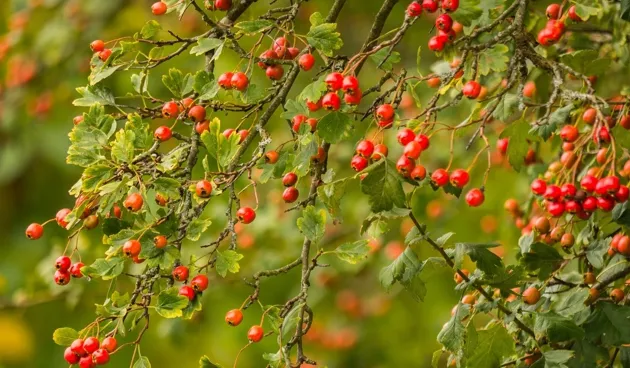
pixel 44 56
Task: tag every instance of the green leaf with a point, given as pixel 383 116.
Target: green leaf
pixel 556 358
pixel 518 133
pixel 140 128
pixel 122 146
pixel 139 83
pixel 386 60
pixel 254 26
pixel 587 8
pixel 542 258
pixel 621 215
pixel 406 270
pixel 494 59
pixel 335 127
pixel 93 177
pixel 311 93
pixel 142 362
pixel 325 38
pixel 210 138
pixel 205 362
pixel 625 15
pixel 452 333
pixel 622 137
pixel 610 323
pixel 302 160
pixel 197 227
pixel 557 328
pixel 65 336
pixel 170 304
pixel 253 94
pixel 113 225
pixel 506 107
pixel 588 62
pixel 556 119
pixel 312 223
pixel 167 187
pixel 330 195
pixel 205 86
pixel 150 29
pixel 106 269
pixel 172 160
pixel 274 359
pixel 178 83
pixel 316 19
pixel 293 108
pixel 393 214
pixel 228 148
pixel 383 186
pixel 572 302
pixel 100 73
pixel 595 252
pixel 92 95
pixel 486 261
pixel 467 12
pixel 494 343
pixel 353 252
pixel 228 261
pixel 204 45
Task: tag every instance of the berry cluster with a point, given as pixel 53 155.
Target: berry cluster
pixel 65 270
pixel 197 285
pixel 447 29
pixel 555 27
pixel 90 352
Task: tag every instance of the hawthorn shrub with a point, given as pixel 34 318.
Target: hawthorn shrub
pixel 526 72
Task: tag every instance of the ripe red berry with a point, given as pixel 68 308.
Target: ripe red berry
pixel 437 43
pixel 161 200
pixel 440 177
pixel 255 333
pixel 105 54
pixel 539 186
pixel 423 140
pixel 271 157
pixel 314 106
pixel 159 8
pixel 63 263
pixel 459 178
pixel 97 45
pixel 199 283
pixel 101 357
pixel 170 109
pixel 385 124
pixel 331 101
pixel 444 22
pixel 405 165
pixel 290 194
pixel 280 46
pixel 160 241
pixel 556 209
pixel 502 145
pixel 573 15
pixel 404 136
pixel 418 173
pixel 163 133
pixel 471 89
pixel 274 72
pixel 186 103
pixel 87 362
pixel 70 356
pixel 414 9
pixel 622 194
pixel 34 231
pixel 365 148
pixel 289 179
pixel 385 112
pixel 430 5
pixel 109 344
pixel 180 273
pixel 569 133
pixel 222 5
pixel 588 183
pixel 412 150
pixel 334 81
pixel 350 84
pixel 77 347
pixel 187 291
pixel 546 37
pixel 359 163
pixel 553 11
pixel 589 116
pixel 450 5
pixel 203 189
pixel 60 217
pixel 62 277
pixel 234 317
pixel 531 295
pixel 475 197
pixel 568 190
pixel 132 248
pixel 246 215
pixel 306 62
pixel 225 80
pixel 197 113
pixel 380 151
pixel 552 193
pixel 75 270
pixel 239 81
pixel 133 202
pixel 90 344
pixel 605 203
pixel 77 119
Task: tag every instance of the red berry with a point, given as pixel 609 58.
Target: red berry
pixel 314 106
pixel 350 84
pixel 385 112
pixel 163 133
pixel 75 270
pixel 385 124
pixel 588 183
pixel 412 150
pixel 60 217
pixel 101 357
pixel 62 277
pixel 568 190
pixel 160 241
pixel 625 122
pixel 246 215
pixel 365 148
pixel 611 184
pixel 97 45
pixel 359 163
pixel 70 356
pixel 589 116
pixel 553 11
pixel 423 140
pixel 280 46
pixel 272 157
pixel 471 89
pixel 225 80
pixel 298 120
pixel 243 133
pixel 239 81
pixel 405 165
pixel 404 136
pixel 552 193
pixel 77 347
pixel 180 273
pixel 197 113
pixel 605 203
pixel 440 177
pixel 234 317
pixel 569 133
pixel 228 133
pixel 546 37
pixel 572 207
pixel 289 179
pixel 255 333
pixel 306 62
pixel 430 5
pixel 105 54
pixel 414 9
pixel 459 178
pixel 573 15
pixel 622 194
pixel 109 344
pixel 133 202
pixel 450 5
pixel 203 188
pixel 63 263
pixel 87 362
pixel 223 5
pixel 539 186
pixel 418 173
pixel 529 89
pixel 199 282
pixel 475 197
pixel 444 22
pixel 555 209
pixel 274 72
pixel 353 99
pixel 331 101
pixel 380 151
pixel 90 344
pixel 437 43
pixel 334 81
pixel 589 204
pixel 187 291
pixel 159 8
pixel 132 248
pixel 502 145
pixel 170 109
pixel 34 231
pixel 77 119
pixel 267 54
pixel 290 194
pixel 187 103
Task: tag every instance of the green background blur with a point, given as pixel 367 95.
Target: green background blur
pixel 357 323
